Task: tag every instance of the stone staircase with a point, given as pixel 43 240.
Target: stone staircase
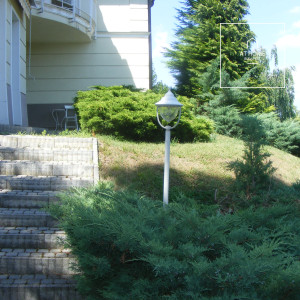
pixel 33 264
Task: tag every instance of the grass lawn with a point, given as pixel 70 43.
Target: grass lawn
pixel 197 169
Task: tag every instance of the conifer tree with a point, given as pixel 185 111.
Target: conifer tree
pixel 198 41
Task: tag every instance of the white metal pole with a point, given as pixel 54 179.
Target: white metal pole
pixel 167 166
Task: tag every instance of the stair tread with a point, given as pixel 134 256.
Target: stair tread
pixel 30 230
pixel 46 183
pixel 35 250
pixel 58 163
pixel 22 211
pixel 45 142
pixel 56 177
pixel 9 148
pixel 27 192
pixel 16 279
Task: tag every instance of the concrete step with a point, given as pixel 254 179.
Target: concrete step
pixel 31 237
pixel 9 129
pixel 36 261
pixel 37 154
pixel 33 168
pixel 37 287
pixel 46 142
pixel 27 199
pixel 10 217
pixel 42 183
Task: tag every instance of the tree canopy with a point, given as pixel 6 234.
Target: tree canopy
pixel 213 49
pixel 198 41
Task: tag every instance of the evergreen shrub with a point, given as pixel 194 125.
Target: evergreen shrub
pixel 227 120
pixel 129 114
pixel 254 172
pixel 131 247
pixel 282 135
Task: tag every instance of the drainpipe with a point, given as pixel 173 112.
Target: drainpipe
pixel 29 50
pixel 42 6
pixel 74 10
pixel 95 14
pixel 91 14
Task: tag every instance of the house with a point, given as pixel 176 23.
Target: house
pixel 49 49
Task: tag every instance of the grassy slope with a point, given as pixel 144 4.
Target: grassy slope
pixel 197 169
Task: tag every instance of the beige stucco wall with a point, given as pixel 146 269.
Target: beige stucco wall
pixel 119 55
pixel 60 70
pixel 123 16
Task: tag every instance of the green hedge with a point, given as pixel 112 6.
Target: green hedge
pixel 284 135
pixel 130 247
pixel 131 115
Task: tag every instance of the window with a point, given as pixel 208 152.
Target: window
pixel 68 4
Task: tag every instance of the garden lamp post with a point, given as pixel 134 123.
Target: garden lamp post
pixel 168 108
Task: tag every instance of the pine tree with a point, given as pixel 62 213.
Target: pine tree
pixel 198 41
pixel 255 171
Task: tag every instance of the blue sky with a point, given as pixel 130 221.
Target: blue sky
pixel 273 21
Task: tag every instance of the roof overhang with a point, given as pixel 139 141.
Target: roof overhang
pixel 26 6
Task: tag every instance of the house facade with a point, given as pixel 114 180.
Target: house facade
pixel 49 49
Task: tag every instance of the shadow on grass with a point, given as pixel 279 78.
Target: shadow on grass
pixel 148 180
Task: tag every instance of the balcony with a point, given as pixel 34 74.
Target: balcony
pixel 63 20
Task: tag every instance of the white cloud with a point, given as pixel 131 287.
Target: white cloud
pixel 160 42
pixel 289 40
pixel 295 10
pixel 296 24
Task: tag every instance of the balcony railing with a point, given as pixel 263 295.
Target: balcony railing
pixel 71 10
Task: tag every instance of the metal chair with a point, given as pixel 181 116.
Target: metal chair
pixel 70 118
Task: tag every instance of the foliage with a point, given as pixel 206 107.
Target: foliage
pixel 227 119
pixel 282 135
pixel 131 115
pixel 130 247
pixel 281 98
pixel 158 86
pixel 236 92
pixel 198 41
pixel 195 60
pixel 254 172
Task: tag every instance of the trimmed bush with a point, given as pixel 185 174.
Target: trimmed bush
pixel 227 120
pixel 130 247
pixel 282 135
pixel 131 115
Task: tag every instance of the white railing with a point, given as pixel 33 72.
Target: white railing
pixel 71 9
